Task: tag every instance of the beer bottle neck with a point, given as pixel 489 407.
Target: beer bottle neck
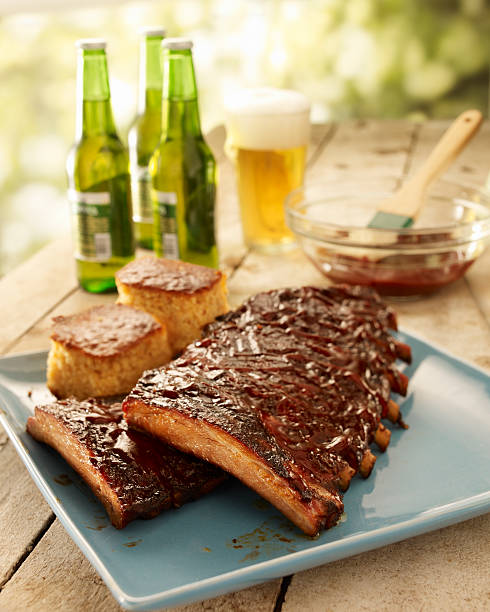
pixel 94 110
pixel 180 110
pixel 150 92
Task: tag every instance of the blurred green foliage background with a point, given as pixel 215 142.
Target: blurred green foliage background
pixel 361 58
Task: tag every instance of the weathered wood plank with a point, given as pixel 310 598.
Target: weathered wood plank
pixel 38 337
pixel 320 135
pixel 229 231
pixel 451 319
pixel 261 598
pixel 276 271
pixel 57 577
pixel 364 148
pixel 30 290
pixel 23 511
pixel 447 569
pixel 478 281
pixel 216 140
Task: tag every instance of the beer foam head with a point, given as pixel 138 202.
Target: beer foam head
pixel 266 118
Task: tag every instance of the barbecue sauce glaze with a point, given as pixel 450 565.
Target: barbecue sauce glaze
pixel 146 474
pixel 300 376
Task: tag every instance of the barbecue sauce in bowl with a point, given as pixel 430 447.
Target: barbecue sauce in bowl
pixel 415 278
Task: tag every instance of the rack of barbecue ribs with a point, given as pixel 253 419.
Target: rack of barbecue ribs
pixel 286 393
pixel 133 475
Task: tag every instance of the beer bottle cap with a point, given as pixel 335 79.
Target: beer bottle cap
pixel 177 43
pixel 91 43
pixel 152 31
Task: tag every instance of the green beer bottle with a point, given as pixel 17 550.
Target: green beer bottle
pixel 98 177
pixel 183 169
pixel 144 134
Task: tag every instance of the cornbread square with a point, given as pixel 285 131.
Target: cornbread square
pixel 182 296
pixel 103 351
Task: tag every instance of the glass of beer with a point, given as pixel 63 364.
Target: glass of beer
pixel 267 138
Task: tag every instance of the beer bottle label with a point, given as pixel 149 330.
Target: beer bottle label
pixel 91 213
pixel 167 215
pixel 141 189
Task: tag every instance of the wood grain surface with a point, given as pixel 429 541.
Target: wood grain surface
pixel 40 567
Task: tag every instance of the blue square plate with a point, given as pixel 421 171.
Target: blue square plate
pixel 433 474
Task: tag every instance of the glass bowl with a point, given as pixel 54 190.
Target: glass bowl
pixel 330 222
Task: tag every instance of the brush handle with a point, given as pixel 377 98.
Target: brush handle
pixel 408 200
pixel 447 149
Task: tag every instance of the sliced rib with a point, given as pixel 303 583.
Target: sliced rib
pixel 132 474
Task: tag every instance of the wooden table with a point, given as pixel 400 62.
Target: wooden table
pixel 449 569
